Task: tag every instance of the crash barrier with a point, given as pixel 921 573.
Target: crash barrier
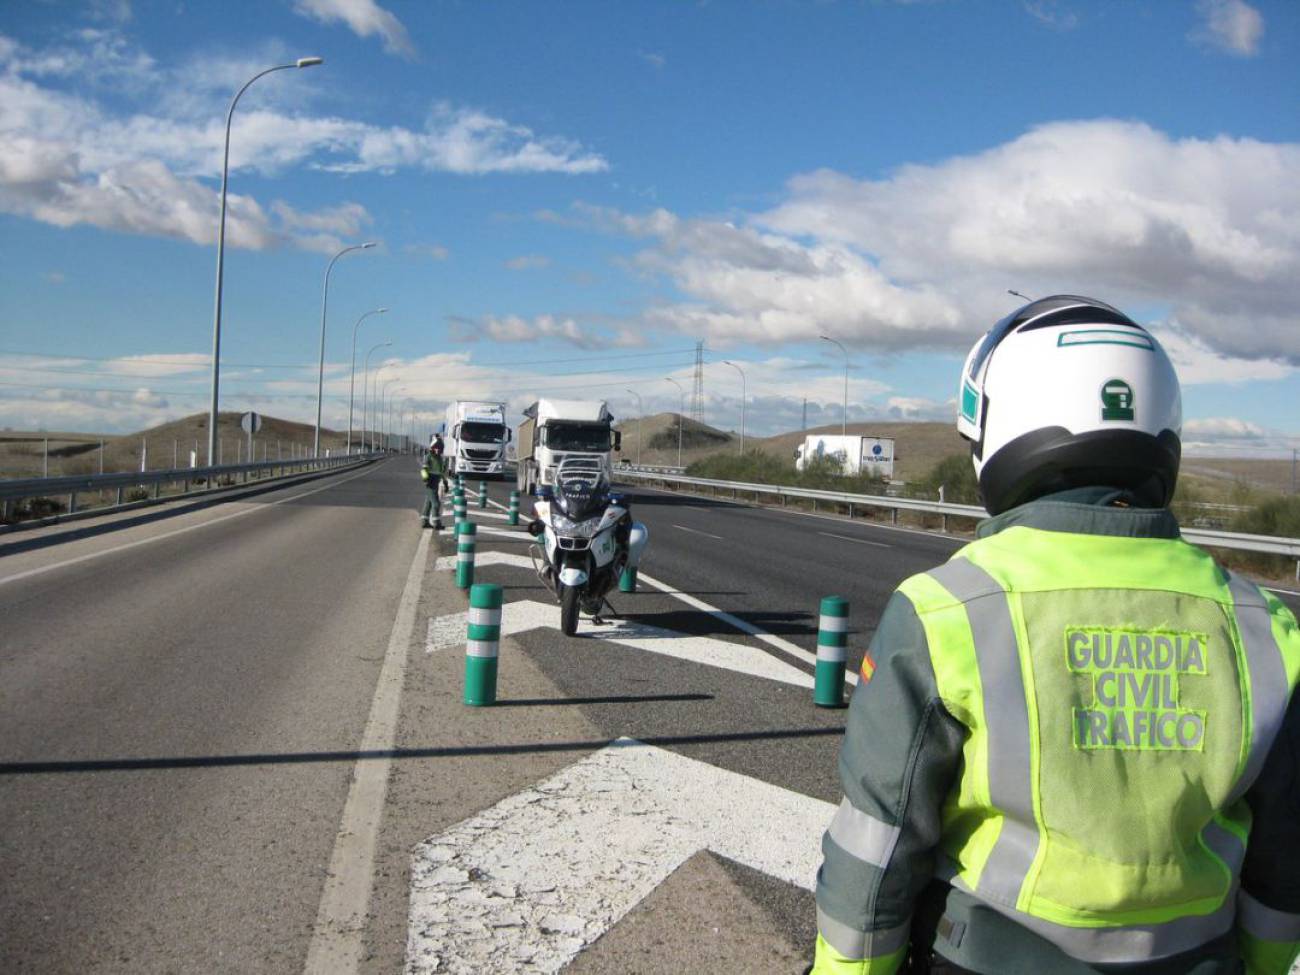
pixel 459 507
pixel 512 512
pixel 482 644
pixel 832 650
pixel 1266 544
pixel 465 544
pixel 482 494
pixel 627 579
pixel 151 483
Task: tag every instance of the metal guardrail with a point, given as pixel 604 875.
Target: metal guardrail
pixel 648 469
pixel 1269 544
pixel 70 487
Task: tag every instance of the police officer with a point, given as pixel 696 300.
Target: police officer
pixel 433 474
pixel 1074 746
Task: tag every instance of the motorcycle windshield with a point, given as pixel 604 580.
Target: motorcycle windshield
pixel 580 497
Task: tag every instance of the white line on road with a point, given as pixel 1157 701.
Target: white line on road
pixel 445 631
pixel 338 938
pixel 696 531
pixel 860 541
pixel 177 531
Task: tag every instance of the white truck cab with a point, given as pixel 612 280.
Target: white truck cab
pixel 577 431
pixel 476 438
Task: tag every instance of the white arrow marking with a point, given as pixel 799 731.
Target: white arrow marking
pixel 445 631
pixel 527 884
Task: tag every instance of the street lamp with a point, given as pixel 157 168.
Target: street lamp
pixel 388 428
pixel 1019 295
pixel 844 421
pixel 379 415
pixel 365 391
pixel 680 411
pixel 221 251
pixel 640 419
pixel 742 403
pixel 352 381
pixel 325 295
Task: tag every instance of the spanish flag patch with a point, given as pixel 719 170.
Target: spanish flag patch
pixel 868 667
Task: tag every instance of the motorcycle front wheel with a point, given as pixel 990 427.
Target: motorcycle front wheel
pixel 568 610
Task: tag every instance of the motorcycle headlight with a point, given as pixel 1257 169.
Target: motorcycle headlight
pixel 579 529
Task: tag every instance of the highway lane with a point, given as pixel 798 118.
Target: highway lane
pixel 227 647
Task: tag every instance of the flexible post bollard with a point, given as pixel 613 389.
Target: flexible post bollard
pixel 482 644
pixel 832 648
pixel 465 542
pixel 627 579
pixel 512 513
pixel 482 494
pixel 459 507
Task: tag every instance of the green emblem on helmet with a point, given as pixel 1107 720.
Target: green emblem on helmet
pixel 1117 400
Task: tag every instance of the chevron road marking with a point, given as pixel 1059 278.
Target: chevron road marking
pixel 527 884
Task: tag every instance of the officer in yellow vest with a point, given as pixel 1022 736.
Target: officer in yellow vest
pixel 433 474
pixel 1075 746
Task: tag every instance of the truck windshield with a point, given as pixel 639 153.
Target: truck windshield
pixel 587 437
pixel 482 432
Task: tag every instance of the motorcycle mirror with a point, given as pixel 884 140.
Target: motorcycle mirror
pixel 618 440
pixel 535 527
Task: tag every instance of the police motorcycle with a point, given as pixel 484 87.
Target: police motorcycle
pixel 584 538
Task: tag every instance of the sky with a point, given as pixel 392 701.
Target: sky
pixel 566 197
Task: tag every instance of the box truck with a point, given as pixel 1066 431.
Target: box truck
pixel 476 438
pixel 873 456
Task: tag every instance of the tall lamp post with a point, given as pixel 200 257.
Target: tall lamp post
pixel 221 251
pixel 640 419
pixel 324 300
pixel 365 395
pixel 352 381
pixel 742 403
pixel 844 420
pixel 392 405
pixel 680 411
pixel 379 415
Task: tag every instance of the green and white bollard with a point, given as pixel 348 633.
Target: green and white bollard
pixel 459 507
pixel 482 494
pixel 482 644
pixel 832 648
pixel 465 542
pixel 627 579
pixel 512 513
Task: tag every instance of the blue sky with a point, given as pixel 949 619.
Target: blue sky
pixel 566 197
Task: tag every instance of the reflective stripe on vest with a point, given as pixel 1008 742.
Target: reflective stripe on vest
pixel 865 837
pixel 1266 923
pixel 1007 716
pixel 1269 687
pixel 852 943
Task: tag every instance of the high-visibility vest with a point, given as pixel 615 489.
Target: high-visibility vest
pixel 1121 695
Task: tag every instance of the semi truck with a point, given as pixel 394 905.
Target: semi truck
pixel 476 438
pixel 873 456
pixel 580 431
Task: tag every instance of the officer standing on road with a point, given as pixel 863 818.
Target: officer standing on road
pixel 433 474
pixel 1075 746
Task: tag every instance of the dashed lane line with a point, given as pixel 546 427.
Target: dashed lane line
pixel 338 937
pixel 41 570
pixel 696 531
pixel 860 541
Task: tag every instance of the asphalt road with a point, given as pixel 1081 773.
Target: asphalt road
pixel 188 703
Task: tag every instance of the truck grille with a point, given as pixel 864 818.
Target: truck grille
pixel 481 454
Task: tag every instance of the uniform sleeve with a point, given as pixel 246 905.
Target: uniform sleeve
pixel 1268 914
pixel 900 756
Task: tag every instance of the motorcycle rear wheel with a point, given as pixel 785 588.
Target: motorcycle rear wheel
pixel 568 610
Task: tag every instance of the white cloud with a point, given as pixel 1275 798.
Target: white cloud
pixel 923 256
pixel 653 58
pixel 66 159
pixel 364 18
pixel 435 252
pixel 528 262
pixel 514 328
pixel 1197 363
pixel 1233 26
pixel 1222 428
pixel 1053 14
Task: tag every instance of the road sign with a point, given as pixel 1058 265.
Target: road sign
pixel 533 880
pixel 251 422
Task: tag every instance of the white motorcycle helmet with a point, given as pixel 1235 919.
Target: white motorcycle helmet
pixel 1069 392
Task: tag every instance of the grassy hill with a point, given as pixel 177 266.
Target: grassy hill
pixel 21 452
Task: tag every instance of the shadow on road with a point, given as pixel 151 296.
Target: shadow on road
pixel 695 623
pixel 616 699
pixel 300 758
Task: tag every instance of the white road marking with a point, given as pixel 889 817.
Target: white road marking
pixel 338 937
pixel 445 631
pixel 176 531
pixel 527 884
pixel 860 541
pixel 525 615
pixel 482 559
pixel 696 531
pixel 1288 592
